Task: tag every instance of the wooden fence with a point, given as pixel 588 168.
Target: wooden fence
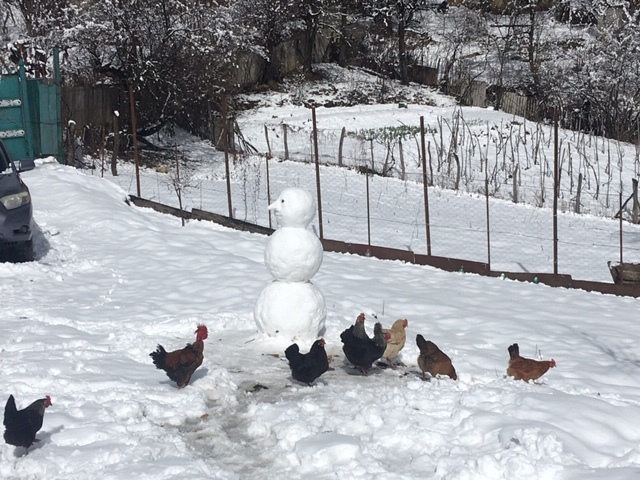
pixel 94 106
pixel 476 94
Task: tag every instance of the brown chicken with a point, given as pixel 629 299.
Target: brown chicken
pixel 396 341
pixel 21 426
pixel 526 369
pixel 179 365
pixel 434 360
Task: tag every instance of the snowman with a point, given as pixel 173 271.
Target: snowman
pixel 291 305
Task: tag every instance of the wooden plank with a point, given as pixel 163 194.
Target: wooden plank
pixel 381 253
pixel 159 207
pixel 625 290
pixel 230 222
pixel 453 264
pixel 550 279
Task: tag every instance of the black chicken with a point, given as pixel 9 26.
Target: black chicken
pixel 306 367
pixel 21 426
pixel 358 327
pixel 362 352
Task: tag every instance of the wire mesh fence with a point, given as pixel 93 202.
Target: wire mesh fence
pixel 499 214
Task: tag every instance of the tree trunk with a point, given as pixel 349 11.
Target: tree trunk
pixel 402 53
pixel 534 66
pixel 311 31
pixel 342 54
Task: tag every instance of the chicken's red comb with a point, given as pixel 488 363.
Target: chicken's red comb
pixel 202 328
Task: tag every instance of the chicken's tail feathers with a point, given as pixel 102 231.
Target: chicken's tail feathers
pixel 9 409
pixel 159 356
pixel 421 342
pixel 294 356
pixel 514 350
pixel 291 350
pixel 346 334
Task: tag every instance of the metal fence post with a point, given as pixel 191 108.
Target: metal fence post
pixel 425 186
pixel 317 156
pixel 366 174
pixel 134 132
pixel 556 191
pixel 486 193
pixel 27 121
pixel 58 101
pixel 620 200
pixel 268 188
pixel 225 134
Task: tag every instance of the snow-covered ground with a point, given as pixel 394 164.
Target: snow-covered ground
pixel 112 280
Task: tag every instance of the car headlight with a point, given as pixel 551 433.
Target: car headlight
pixel 15 200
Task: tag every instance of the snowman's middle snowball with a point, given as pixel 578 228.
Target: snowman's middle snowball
pixel 293 254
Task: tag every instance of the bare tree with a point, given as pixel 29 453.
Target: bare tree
pixel 397 18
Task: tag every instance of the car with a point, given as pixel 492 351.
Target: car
pixel 16 211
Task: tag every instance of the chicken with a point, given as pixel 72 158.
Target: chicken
pixel 179 365
pixel 358 327
pixel 434 360
pixel 396 342
pixel 363 352
pixel 21 426
pixel 306 367
pixel 526 369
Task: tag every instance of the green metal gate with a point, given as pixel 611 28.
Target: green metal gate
pixel 31 114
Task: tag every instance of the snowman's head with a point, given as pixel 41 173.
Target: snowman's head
pixel 294 208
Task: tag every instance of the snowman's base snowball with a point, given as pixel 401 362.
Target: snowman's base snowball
pixel 294 310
